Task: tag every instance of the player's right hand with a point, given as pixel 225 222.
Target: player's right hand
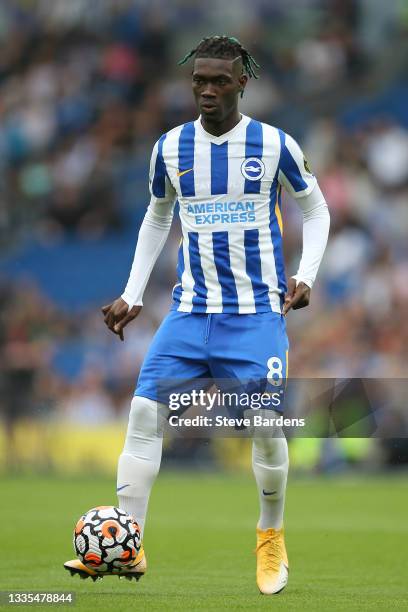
pixel 118 314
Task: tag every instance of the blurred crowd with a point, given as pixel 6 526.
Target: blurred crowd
pixel 87 86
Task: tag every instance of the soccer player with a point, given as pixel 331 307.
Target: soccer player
pixel 227 319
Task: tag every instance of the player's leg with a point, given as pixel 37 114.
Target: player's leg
pixel 257 350
pixel 174 361
pixel 270 464
pixel 175 357
pixel 140 460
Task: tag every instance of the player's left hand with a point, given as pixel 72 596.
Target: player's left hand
pixel 296 296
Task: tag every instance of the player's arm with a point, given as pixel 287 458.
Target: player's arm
pixel 298 180
pixel 152 236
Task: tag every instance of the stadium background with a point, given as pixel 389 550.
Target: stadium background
pixel 86 87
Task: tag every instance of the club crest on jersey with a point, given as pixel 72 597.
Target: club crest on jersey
pixel 253 168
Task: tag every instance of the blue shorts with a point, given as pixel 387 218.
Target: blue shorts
pixel 196 348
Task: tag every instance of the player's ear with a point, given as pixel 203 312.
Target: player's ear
pixel 243 80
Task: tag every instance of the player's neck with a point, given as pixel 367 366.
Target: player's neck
pixel 217 128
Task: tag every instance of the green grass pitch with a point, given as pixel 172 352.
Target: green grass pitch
pixel 346 538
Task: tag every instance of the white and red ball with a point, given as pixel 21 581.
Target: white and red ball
pixel 106 539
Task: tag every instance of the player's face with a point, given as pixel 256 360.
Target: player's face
pixel 216 86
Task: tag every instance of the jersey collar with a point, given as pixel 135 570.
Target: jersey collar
pixel 223 137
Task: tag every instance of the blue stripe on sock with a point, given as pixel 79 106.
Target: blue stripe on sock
pixel 224 272
pixel 186 159
pixel 219 168
pixel 254 269
pixel 200 289
pixel 253 148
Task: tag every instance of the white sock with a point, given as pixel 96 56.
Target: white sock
pixel 270 464
pixel 139 462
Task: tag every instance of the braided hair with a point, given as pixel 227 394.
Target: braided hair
pixel 224 47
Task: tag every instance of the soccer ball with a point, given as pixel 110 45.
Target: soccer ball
pixel 106 539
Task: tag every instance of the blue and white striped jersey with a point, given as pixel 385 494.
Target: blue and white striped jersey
pixel 229 192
